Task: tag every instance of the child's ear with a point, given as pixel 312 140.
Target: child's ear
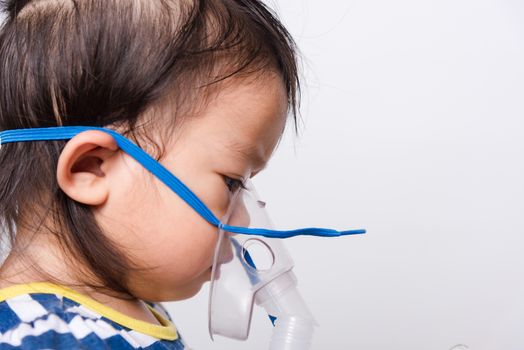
pixel 80 169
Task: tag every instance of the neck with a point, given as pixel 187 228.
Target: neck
pixel 27 265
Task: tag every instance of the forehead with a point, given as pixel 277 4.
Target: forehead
pixel 246 118
pixel 257 120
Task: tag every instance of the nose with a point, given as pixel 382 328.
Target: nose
pixel 239 215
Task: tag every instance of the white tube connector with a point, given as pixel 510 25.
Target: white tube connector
pixel 294 325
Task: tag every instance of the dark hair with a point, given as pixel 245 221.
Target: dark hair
pixel 112 62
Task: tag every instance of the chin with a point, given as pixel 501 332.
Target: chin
pixel 194 290
pixel 190 289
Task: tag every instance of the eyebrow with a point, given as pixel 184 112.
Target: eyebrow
pixel 247 152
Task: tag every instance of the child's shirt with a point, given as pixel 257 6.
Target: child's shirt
pixel 49 316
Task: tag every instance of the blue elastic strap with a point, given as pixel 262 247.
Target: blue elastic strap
pixel 164 175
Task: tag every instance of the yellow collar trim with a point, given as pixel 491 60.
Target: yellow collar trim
pixel 166 331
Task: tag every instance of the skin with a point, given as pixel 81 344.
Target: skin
pixel 150 223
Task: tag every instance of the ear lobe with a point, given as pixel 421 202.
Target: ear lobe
pixel 82 166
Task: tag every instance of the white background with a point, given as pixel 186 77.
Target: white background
pixel 413 129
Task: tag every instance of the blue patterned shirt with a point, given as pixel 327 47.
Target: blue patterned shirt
pixel 43 315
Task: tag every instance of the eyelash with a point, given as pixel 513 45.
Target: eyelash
pixel 238 183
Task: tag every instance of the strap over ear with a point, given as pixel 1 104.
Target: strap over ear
pixel 170 180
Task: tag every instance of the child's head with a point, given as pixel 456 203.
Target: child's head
pixel 202 86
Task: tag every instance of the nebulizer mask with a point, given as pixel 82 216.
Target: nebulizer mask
pixel 256 269
pixel 251 264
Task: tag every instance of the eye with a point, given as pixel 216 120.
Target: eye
pixel 233 184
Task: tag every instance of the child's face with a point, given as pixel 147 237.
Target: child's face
pixel 154 225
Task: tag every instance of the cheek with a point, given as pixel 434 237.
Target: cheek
pixel 160 232
pixel 176 241
pixel 187 250
pixel 173 238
